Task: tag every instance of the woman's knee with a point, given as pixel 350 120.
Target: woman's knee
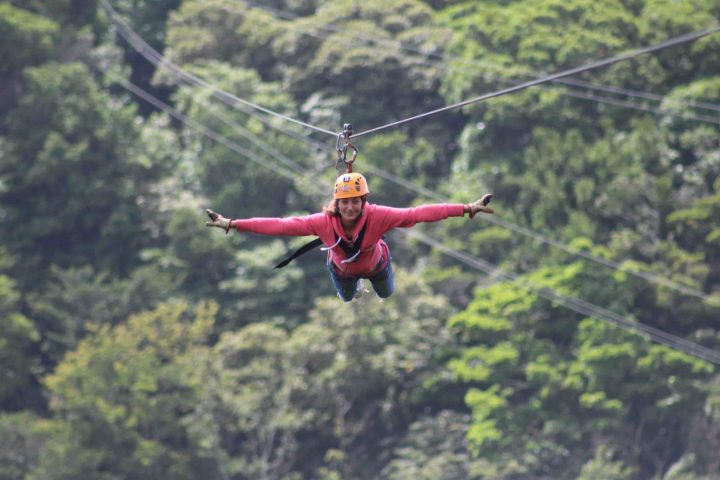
pixel 385 293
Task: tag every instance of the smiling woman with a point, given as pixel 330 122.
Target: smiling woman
pixel 352 229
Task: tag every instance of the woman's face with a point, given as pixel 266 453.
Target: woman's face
pixel 350 208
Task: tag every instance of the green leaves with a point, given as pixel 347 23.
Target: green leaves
pixel 349 373
pixel 540 370
pixel 68 141
pixel 18 336
pixel 104 247
pixel 28 39
pixel 123 390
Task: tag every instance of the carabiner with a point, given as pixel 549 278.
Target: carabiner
pixel 342 150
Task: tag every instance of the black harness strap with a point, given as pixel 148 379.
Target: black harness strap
pixel 304 249
pixel 352 251
pixel 349 251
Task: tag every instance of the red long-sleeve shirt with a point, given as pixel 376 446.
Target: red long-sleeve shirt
pixel 379 219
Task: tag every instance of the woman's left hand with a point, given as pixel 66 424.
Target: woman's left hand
pixel 480 205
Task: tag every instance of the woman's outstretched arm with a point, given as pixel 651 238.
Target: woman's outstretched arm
pixel 289 226
pixel 390 218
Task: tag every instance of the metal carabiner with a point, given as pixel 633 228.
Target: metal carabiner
pixel 342 150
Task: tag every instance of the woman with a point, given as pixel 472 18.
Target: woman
pixel 352 230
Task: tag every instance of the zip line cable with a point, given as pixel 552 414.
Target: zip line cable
pixel 154 101
pixel 650 277
pixel 646 95
pixel 602 63
pixel 247 134
pixel 572 93
pixel 636 106
pixel 115 18
pixel 180 78
pixel 157 59
pixel 142 47
pixel 579 306
pixel 447 59
pixel 298 170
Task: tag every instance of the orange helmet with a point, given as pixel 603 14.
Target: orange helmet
pixel 350 185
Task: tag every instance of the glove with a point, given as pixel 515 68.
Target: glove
pixel 480 206
pixel 217 220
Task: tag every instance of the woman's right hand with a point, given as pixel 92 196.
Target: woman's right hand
pixel 217 220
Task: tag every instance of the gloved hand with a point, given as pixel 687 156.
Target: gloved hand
pixel 480 206
pixel 217 220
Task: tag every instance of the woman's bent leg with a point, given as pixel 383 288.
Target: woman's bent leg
pixel 384 281
pixel 344 286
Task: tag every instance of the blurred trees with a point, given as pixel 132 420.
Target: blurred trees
pixel 563 383
pixel 71 179
pixel 136 343
pixel 27 38
pixel 313 401
pixel 120 396
pixel 18 337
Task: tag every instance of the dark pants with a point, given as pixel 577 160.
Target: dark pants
pixel 383 282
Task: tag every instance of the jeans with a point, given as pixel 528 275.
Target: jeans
pixel 383 282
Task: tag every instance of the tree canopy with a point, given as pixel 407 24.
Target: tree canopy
pixel 136 343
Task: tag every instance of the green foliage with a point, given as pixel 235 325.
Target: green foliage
pixel 701 456
pixel 661 19
pixel 71 14
pixel 257 292
pixel 28 39
pixel 373 72
pixel 541 385
pixel 313 56
pixel 227 178
pixel 434 449
pixel 404 160
pixel 570 169
pixel 68 178
pixel 275 403
pixel 75 298
pixel 18 336
pixel 147 18
pixel 362 361
pixel 245 417
pixel 236 34
pixel 603 466
pixel 497 42
pixel 23 436
pixel 194 260
pixel 120 394
pixel 474 377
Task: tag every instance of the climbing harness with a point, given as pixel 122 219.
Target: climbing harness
pixel 351 251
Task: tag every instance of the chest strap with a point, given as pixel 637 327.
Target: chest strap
pixel 352 253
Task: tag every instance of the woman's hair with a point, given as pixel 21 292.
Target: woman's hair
pixel 332 207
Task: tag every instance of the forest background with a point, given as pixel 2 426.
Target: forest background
pixel 136 343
